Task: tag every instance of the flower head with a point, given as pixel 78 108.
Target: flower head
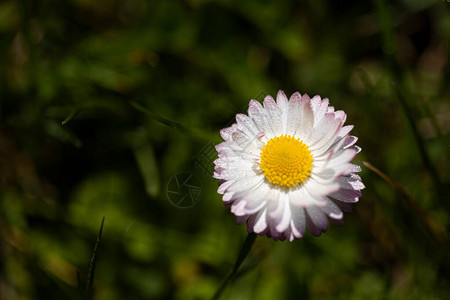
pixel 287 166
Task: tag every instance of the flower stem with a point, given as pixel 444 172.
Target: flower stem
pixel 245 250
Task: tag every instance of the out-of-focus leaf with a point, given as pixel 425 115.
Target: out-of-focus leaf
pixel 62 133
pixel 104 194
pixel 149 169
pixel 9 16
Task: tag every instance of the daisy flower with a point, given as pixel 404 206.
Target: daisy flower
pixel 287 166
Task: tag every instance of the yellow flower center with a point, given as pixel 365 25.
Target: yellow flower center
pixel 286 161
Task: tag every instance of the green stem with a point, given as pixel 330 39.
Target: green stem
pixel 245 250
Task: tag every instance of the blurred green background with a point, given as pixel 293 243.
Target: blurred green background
pixel 105 103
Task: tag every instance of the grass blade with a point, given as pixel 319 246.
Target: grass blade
pixel 419 142
pixel 246 247
pixel 91 274
pixel 432 226
pixel 160 119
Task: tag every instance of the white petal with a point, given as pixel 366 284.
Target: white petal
pixel 319 107
pixel 295 232
pixel 345 130
pixel 300 197
pixel 356 148
pixel 225 148
pixel 246 183
pixel 354 177
pixel 349 183
pixel 256 200
pixel 223 186
pixel 298 222
pixel 341 115
pixel 275 116
pixel 275 210
pixel 349 141
pixel 341 157
pixel 317 189
pixel 325 136
pixel 333 212
pixel 240 188
pixel 234 162
pixel 348 196
pixel 227 132
pixel 344 169
pixel 356 168
pixel 290 234
pixel 260 117
pixel 323 176
pixel 295 115
pixel 259 222
pixel 230 149
pixel 246 144
pixel 275 204
pixel 247 125
pixel 237 208
pixel 233 174
pixel 316 220
pixel 286 216
pixel 307 121
pixel 254 206
pixel 323 131
pixel 283 106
